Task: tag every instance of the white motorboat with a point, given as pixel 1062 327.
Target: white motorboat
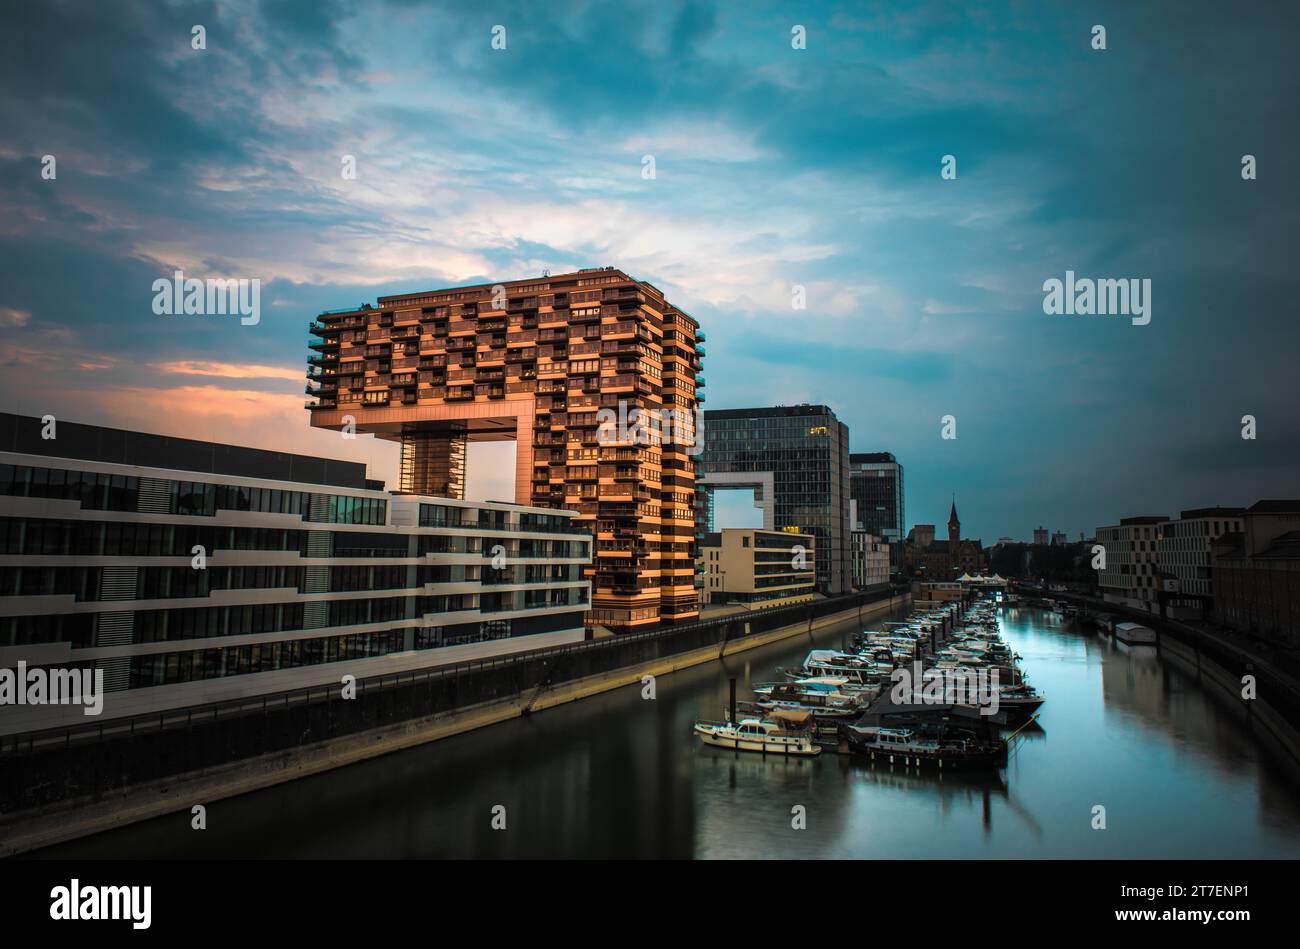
pixel 780 733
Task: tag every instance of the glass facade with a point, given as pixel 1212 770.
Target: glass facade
pixel 196 579
pixel 807 451
pixel 97 491
pixel 876 487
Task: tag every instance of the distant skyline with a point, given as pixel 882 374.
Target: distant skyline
pixel 775 168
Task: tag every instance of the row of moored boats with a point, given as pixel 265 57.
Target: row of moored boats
pixel 860 698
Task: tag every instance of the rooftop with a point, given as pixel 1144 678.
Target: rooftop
pixel 1275 507
pixel 1212 512
pixel 773 411
pixel 1284 547
pixel 22 434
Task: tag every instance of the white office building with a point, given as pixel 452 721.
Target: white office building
pixel 1185 555
pixel 1131 575
pixel 191 573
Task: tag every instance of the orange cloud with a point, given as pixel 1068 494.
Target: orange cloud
pixel 227 370
pixel 271 420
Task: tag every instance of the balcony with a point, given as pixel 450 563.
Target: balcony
pixel 625 328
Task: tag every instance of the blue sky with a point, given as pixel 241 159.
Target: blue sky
pixel 774 167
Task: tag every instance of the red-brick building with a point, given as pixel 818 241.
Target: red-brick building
pixel 923 556
pixel 1257 573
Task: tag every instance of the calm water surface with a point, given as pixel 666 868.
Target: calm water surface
pixel 618 776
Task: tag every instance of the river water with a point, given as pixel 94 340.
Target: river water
pixel 619 775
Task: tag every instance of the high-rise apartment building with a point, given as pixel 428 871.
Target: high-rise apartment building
pixel 536 361
pixel 186 573
pixel 803 452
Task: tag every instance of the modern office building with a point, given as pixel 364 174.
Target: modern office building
pixel 1132 573
pixel 538 362
pixel 876 486
pixel 802 451
pixel 1040 536
pixel 1184 556
pixel 871 561
pixel 190 572
pixel 759 568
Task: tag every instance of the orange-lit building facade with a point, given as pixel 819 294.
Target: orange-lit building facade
pixel 534 361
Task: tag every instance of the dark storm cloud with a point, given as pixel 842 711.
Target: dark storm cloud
pixel 817 167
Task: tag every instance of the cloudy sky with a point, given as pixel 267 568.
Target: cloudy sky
pixel 775 167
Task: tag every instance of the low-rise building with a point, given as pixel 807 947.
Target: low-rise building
pixel 1184 557
pixel 759 568
pixel 936 592
pixel 1257 573
pixel 1131 573
pixel 930 559
pixel 189 573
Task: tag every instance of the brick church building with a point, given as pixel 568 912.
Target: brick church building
pixel 942 559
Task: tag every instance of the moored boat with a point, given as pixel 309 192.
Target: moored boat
pixel 779 733
pixel 822 696
pixel 908 747
pixel 1020 701
pixel 1135 634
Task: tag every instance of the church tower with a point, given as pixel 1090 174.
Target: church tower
pixel 954 528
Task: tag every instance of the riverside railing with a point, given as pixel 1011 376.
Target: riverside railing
pixel 91 760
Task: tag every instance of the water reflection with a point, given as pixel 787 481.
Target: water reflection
pixel 619 776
